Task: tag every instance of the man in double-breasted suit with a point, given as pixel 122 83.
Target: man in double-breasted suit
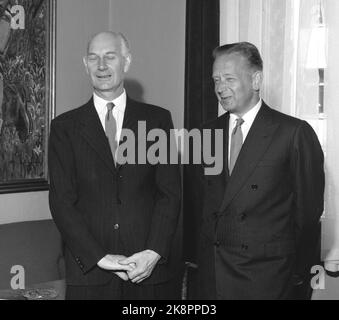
pixel 260 213
pixel 117 221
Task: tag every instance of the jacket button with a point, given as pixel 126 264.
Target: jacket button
pixel 255 187
pixel 116 227
pixel 243 217
pixel 217 244
pixel 244 247
pixel 217 215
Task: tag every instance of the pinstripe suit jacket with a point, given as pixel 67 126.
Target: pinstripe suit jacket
pixel 100 209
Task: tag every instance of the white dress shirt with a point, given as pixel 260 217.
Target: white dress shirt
pixel 118 111
pixel 248 118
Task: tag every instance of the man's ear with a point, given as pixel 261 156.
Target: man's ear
pixel 257 80
pixel 84 60
pixel 128 61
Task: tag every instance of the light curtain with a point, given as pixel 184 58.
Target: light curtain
pixel 297 39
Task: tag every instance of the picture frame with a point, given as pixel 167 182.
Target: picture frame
pixel 27 92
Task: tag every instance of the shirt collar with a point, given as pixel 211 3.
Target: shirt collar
pixel 248 117
pixel 100 103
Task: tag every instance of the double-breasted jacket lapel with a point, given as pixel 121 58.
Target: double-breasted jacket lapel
pixel 226 138
pixel 258 140
pixel 222 123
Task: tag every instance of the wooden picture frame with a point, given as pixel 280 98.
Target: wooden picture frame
pixel 27 92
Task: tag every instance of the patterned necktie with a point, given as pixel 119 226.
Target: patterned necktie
pixel 111 128
pixel 236 143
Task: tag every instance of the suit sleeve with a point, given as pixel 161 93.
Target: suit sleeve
pixel 62 198
pixel 309 184
pixel 168 197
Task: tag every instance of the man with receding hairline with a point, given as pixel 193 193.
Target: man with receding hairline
pixel 260 216
pixel 117 221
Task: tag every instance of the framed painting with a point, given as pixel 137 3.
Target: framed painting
pixel 27 92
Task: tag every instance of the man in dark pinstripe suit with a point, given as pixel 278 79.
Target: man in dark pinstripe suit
pixel 117 221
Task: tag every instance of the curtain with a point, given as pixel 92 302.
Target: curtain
pixel 202 36
pixel 299 44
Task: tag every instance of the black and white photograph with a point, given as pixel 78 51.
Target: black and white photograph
pixel 174 152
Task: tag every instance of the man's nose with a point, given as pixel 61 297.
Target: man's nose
pixel 102 64
pixel 221 87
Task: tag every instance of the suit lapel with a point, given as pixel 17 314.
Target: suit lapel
pixel 226 137
pixel 133 114
pixel 223 123
pixel 258 140
pixel 220 180
pixel 91 129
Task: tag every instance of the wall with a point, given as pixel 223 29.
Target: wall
pixel 76 20
pixel 156 31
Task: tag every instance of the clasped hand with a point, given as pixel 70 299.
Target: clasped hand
pixel 135 268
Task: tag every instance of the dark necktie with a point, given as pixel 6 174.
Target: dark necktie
pixel 111 128
pixel 236 144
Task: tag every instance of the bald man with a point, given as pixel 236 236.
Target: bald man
pixel 117 221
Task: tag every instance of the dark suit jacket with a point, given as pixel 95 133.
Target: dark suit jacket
pixel 256 226
pixel 100 209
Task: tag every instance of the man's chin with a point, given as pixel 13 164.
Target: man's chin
pixel 227 106
pixel 107 87
pixel 103 87
pixel 105 92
